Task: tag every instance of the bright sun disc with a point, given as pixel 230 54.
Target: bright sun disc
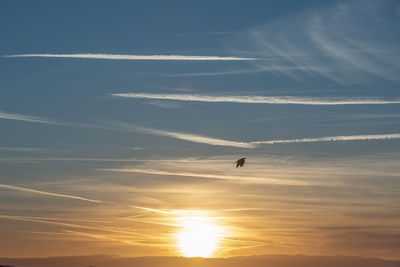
pixel 197 238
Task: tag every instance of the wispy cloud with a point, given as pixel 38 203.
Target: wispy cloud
pixel 132 128
pixel 184 136
pixel 120 239
pixel 40 150
pixel 64 223
pixel 165 104
pixel 270 68
pixel 34 191
pixel 69 159
pixel 331 139
pixel 261 99
pixel 200 138
pixel 171 212
pixel 349 42
pixel 207 33
pixel 245 179
pixel 19 117
pixel 23 149
pixel 215 73
pixel 193 212
pixel 42 120
pixel 54 221
pixel 135 57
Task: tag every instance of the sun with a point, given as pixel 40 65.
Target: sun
pixel 198 237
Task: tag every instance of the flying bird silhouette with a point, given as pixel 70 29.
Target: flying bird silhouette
pixel 240 162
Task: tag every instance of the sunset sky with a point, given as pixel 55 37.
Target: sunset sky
pixel 120 122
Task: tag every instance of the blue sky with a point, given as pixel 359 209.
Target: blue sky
pixel 127 102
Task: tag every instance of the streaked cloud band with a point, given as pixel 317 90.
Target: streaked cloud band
pixel 246 179
pixel 135 57
pixel 29 190
pixel 19 117
pixel 185 136
pixel 331 139
pixel 261 99
pixel 194 138
pixel 132 128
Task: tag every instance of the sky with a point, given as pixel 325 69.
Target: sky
pixel 120 123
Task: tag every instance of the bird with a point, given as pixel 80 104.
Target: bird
pixel 240 162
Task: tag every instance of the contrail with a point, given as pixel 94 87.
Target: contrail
pixel 136 57
pixel 199 138
pixel 131 128
pixel 19 117
pixel 24 189
pixel 184 136
pixel 330 139
pixel 256 180
pixel 261 99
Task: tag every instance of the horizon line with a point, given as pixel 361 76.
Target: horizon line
pixel 206 258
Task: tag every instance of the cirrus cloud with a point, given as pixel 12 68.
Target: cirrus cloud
pixel 134 57
pixel 255 99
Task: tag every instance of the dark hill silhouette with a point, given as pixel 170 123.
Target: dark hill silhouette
pixel 254 261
